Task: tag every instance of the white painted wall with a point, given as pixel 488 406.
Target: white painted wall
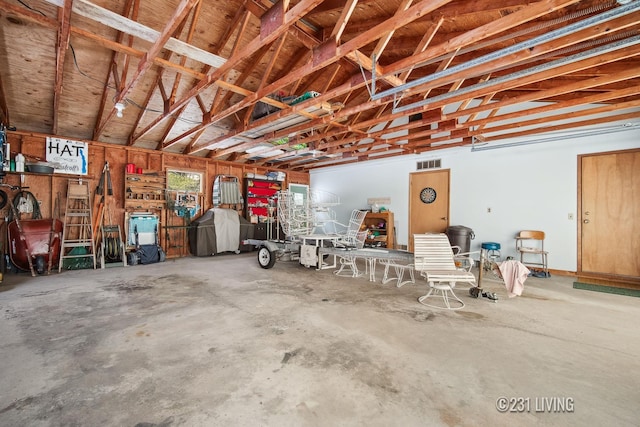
pixel 526 187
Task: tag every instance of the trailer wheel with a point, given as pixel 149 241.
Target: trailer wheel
pixel 40 264
pixel 266 258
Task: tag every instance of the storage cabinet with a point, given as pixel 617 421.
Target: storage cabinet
pixel 260 206
pixel 380 230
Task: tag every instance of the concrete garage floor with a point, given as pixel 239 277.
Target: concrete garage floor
pixel 219 341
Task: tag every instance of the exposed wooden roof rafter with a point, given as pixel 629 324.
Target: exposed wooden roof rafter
pixel 62 44
pixel 196 70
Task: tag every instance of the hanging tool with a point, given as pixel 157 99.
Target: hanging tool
pixel 105 176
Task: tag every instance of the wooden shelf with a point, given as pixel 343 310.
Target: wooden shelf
pixel 57 175
pixel 145 191
pixel 380 230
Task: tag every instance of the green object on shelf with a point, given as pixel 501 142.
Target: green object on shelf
pixel 285 140
pixel 304 97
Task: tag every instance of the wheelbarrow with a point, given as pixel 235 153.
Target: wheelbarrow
pixel 34 244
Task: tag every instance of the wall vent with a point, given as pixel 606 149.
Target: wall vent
pixel 429 164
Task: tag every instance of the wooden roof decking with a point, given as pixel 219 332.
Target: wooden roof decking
pixel 191 73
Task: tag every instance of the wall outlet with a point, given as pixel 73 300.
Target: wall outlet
pixel 488 210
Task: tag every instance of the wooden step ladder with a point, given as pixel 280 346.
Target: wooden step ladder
pixel 77 234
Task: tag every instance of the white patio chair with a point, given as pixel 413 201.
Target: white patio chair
pixel 434 260
pixel 350 237
pixel 348 259
pixel 393 266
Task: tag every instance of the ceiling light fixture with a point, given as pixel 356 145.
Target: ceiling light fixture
pixel 119 109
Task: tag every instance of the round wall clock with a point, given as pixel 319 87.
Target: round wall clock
pixel 428 195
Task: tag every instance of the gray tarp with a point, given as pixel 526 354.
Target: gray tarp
pixel 218 230
pixel 227 223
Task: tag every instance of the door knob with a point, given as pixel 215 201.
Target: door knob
pixel 586 221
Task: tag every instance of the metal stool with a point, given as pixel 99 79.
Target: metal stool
pixel 490 252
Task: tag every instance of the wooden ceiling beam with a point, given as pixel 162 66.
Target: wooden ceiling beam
pixel 480 92
pixel 267 72
pixel 62 44
pixel 510 129
pixel 130 7
pixel 446 61
pixel 501 104
pixel 163 94
pixel 593 99
pixel 345 15
pixel 189 39
pixel 322 59
pixel 545 124
pixel 238 23
pixel 295 13
pixel 550 93
pixel 501 25
pixel 355 82
pixel 384 40
pixel 194 140
pixel 494 107
pixel 300 30
pixel 219 104
pixel 148 58
pixel 528 55
pixel 179 15
pixel 125 25
pixel 422 45
pixel 573 124
pixel 176 82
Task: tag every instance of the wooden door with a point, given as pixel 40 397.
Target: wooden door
pixel 432 214
pixel 609 216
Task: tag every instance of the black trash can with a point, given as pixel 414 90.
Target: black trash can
pixel 461 236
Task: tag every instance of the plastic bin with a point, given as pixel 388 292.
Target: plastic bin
pixel 461 236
